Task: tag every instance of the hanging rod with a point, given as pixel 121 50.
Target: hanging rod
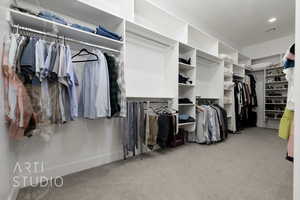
pixel 64 38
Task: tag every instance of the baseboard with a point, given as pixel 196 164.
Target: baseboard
pixel 13 193
pixel 77 166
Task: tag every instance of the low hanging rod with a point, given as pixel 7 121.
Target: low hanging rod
pixel 64 38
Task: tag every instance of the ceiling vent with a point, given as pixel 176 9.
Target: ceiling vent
pixel 271 30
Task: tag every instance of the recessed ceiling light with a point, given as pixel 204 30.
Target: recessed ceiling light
pixel 273 19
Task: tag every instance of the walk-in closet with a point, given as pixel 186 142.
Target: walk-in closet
pixel 148 99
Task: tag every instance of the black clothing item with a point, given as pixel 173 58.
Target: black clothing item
pixel 292 49
pixel 172 137
pixel 113 84
pixel 185 61
pixel 185 101
pixel 165 127
pixel 245 117
pixel 289 158
pixel 183 79
pixel 224 115
pixel 253 90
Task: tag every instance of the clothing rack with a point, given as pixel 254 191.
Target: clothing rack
pixel 148 102
pixel 13 26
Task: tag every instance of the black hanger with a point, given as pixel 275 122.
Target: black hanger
pixel 86 53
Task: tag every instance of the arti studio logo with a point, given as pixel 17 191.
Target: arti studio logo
pixel 28 174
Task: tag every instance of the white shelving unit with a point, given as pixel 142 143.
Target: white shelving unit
pixel 187 90
pixel 276 88
pixel 153 40
pixel 40 24
pixel 231 58
pixel 263 94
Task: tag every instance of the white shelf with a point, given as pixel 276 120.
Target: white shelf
pixel 276 96
pixel 273 68
pixel 40 24
pixel 81 10
pixel 208 57
pixel 186 124
pixel 238 66
pixel 184 66
pixel 186 104
pixel 228 75
pixel 274 75
pixel 282 89
pixel 228 90
pixel 229 116
pixel 186 85
pixel 276 111
pixel 275 103
pixel 239 75
pixel 277 82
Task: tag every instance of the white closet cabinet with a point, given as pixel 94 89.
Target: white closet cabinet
pixel 230 58
pixel 187 90
pixel 153 40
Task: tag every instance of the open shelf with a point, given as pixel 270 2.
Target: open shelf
pixel 186 85
pixel 186 124
pixel 207 57
pixel 277 82
pixel 275 103
pixel 202 41
pixel 282 89
pixel 242 59
pixel 153 17
pixel 186 104
pixel 276 111
pixel 183 66
pixel 40 24
pixel 276 96
pixel 274 75
pixel 230 52
pixel 81 10
pixel 273 68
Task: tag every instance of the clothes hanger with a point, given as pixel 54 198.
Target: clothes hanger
pixel 86 53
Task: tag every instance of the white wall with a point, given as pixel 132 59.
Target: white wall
pixel 297 106
pixel 181 13
pixel 7 157
pixel 268 48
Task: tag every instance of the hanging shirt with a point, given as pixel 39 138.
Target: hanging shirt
pixel 72 82
pixel 94 101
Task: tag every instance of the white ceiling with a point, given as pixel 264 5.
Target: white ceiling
pixel 239 22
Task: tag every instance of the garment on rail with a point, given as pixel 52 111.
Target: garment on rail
pixel 245 100
pixel 145 128
pixel 211 125
pixel 48 79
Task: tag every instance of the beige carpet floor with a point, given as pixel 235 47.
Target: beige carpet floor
pixel 248 166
